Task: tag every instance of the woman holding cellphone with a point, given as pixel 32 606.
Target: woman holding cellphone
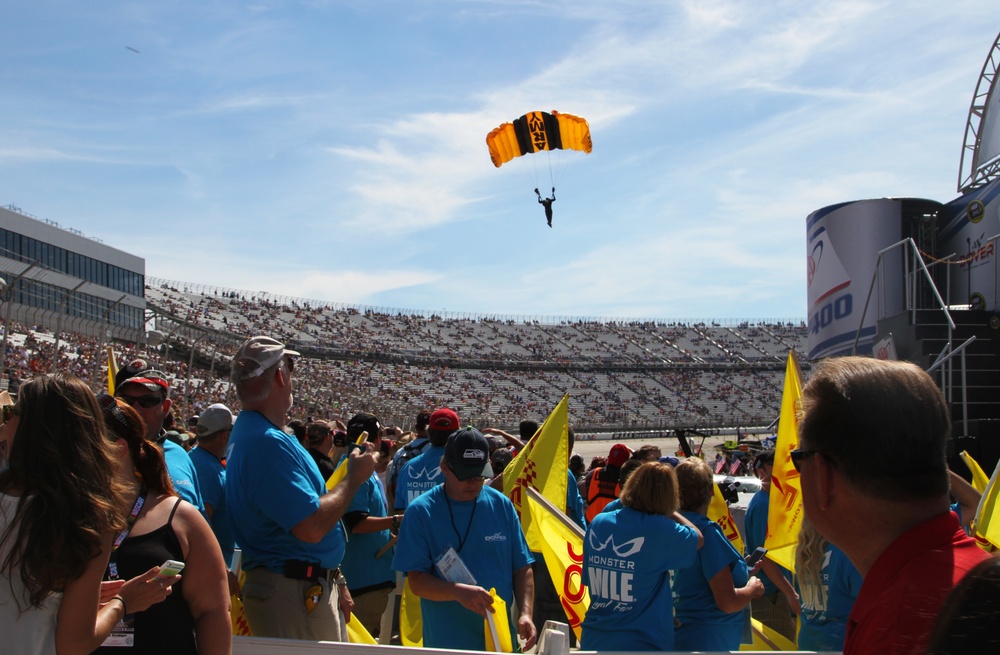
pixel 195 617
pixel 713 593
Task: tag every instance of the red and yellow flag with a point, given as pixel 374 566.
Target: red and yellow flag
pixel 719 512
pixel 542 465
pixel 562 547
pixel 785 504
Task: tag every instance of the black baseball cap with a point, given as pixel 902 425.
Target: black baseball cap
pixel 468 454
pixel 363 423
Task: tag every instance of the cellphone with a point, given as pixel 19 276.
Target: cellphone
pixel 756 556
pixel 169 569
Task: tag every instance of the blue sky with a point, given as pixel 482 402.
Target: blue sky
pixel 335 149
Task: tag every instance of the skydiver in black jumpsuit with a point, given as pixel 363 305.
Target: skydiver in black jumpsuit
pixel 547 203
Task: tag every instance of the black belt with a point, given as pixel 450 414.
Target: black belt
pixel 298 570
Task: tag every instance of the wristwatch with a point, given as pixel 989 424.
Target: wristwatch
pixel 395 523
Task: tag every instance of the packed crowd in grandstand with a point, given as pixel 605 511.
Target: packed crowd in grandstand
pixel 619 374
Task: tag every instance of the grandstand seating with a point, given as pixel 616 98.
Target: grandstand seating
pixel 493 371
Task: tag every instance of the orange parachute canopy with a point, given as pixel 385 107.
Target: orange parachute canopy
pixel 537 131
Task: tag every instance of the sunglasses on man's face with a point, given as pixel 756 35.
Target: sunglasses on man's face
pixel 142 401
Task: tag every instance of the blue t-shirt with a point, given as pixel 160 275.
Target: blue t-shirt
pixel 825 628
pixel 360 566
pixel 487 536
pixel 703 626
pixel 212 479
pixel 272 484
pixel 755 527
pixel 574 501
pixel 418 475
pixel 627 558
pixel 615 504
pixel 182 474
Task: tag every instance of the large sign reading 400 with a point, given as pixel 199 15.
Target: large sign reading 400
pixel 843 245
pixel 837 309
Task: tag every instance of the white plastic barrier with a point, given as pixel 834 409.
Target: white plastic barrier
pixel 263 646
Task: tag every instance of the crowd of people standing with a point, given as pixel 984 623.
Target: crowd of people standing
pixel 333 520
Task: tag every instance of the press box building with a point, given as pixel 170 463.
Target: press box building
pixel 59 279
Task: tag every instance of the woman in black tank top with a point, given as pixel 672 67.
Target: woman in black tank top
pixel 194 619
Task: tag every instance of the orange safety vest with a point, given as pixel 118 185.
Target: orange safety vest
pixel 600 492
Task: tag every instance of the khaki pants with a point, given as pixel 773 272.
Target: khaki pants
pixel 369 607
pixel 775 612
pixel 276 607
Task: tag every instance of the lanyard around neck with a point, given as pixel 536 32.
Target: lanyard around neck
pixel 461 539
pixel 129 522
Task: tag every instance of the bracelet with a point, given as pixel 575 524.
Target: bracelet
pixel 395 523
pixel 122 601
pixel 341 580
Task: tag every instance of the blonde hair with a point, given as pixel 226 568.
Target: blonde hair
pixel 652 489
pixel 809 557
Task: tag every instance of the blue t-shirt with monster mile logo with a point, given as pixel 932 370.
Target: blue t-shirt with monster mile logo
pixel 420 474
pixel 627 558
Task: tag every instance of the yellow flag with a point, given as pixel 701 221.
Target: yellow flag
pixel 764 638
pixel 496 626
pixel 237 613
pixel 411 618
pixel 340 472
pixel 562 548
pixel 112 370
pixel 979 477
pixel 785 503
pixel 357 633
pixel 987 526
pixel 542 464
pixel 718 511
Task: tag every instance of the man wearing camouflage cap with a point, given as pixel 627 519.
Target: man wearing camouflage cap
pixel 282 516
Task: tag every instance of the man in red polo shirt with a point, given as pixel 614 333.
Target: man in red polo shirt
pixel 875 483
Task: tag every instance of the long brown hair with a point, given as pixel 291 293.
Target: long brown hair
pixel 125 423
pixel 63 464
